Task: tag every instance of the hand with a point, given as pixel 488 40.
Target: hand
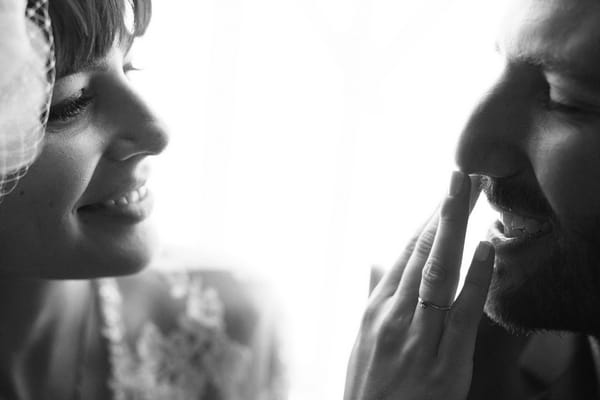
pixel 409 350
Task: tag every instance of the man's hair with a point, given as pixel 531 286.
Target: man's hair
pixel 85 30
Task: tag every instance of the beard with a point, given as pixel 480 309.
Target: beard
pixel 554 288
pixel 562 292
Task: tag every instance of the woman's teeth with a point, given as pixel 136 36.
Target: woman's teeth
pixel 519 226
pixel 128 198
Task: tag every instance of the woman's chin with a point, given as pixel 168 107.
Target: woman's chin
pixel 103 255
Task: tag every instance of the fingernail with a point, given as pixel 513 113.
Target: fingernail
pixel 483 251
pixel 456 183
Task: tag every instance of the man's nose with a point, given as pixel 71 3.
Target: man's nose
pixel 494 140
pixel 138 131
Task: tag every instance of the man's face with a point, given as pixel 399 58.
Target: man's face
pixel 536 139
pixel 81 210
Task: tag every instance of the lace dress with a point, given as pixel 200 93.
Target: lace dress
pixel 168 338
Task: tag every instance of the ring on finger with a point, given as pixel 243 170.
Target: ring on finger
pixel 428 304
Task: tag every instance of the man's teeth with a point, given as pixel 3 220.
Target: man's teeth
pixel 128 198
pixel 518 226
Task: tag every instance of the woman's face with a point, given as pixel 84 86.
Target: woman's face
pixel 82 209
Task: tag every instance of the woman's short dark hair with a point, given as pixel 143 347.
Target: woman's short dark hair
pixel 85 30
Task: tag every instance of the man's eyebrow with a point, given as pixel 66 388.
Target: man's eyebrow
pixel 546 62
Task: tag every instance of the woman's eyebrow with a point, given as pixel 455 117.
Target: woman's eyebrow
pixel 95 64
pixel 98 64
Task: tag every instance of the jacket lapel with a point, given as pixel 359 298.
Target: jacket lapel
pixel 544 366
pixel 558 366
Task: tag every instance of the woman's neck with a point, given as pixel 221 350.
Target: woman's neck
pixel 42 324
pixel 29 307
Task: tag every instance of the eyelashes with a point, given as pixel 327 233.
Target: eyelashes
pixel 562 107
pixel 131 67
pixel 70 108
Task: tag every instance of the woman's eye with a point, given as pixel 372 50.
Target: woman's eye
pixel 70 108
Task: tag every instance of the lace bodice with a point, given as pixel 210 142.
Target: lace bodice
pixel 194 357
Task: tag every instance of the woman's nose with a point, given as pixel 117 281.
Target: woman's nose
pixel 493 141
pixel 137 129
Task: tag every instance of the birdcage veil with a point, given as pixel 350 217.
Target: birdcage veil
pixel 27 73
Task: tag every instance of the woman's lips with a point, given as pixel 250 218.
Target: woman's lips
pixel 131 197
pixel 134 205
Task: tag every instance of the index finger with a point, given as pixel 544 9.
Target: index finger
pixel 441 271
pixel 408 288
pixel 405 278
pixel 442 268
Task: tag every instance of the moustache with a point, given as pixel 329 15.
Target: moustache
pixel 512 194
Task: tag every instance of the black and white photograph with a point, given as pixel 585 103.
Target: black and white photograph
pixel 299 200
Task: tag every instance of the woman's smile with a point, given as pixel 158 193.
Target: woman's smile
pixel 133 205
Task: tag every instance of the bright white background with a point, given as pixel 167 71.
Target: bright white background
pixel 309 139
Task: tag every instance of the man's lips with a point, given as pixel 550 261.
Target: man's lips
pixel 516 223
pixel 525 215
pixel 513 229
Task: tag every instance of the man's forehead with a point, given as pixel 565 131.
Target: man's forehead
pixel 563 35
